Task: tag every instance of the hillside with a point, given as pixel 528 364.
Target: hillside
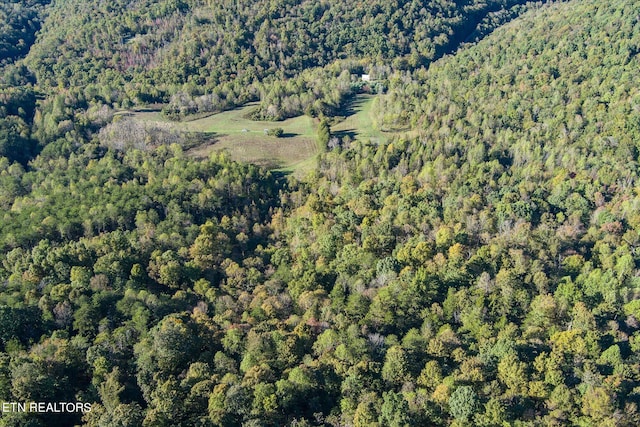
pixel 496 252
pixel 463 251
pixel 20 21
pixel 145 50
pixel 196 56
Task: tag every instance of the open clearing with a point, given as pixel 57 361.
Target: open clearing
pixel 358 123
pixel 246 139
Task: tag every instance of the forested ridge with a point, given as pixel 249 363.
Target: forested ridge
pixel 146 49
pixel 477 268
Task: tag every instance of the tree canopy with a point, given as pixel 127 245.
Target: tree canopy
pixel 477 266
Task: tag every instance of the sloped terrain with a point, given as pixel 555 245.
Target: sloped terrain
pixel 478 265
pixel 144 50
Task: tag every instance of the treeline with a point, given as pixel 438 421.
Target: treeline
pixel 315 92
pixel 59 199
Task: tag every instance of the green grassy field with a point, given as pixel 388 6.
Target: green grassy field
pixel 246 141
pixel 358 124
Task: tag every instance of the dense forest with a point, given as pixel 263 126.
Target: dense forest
pixel 144 50
pixel 479 267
